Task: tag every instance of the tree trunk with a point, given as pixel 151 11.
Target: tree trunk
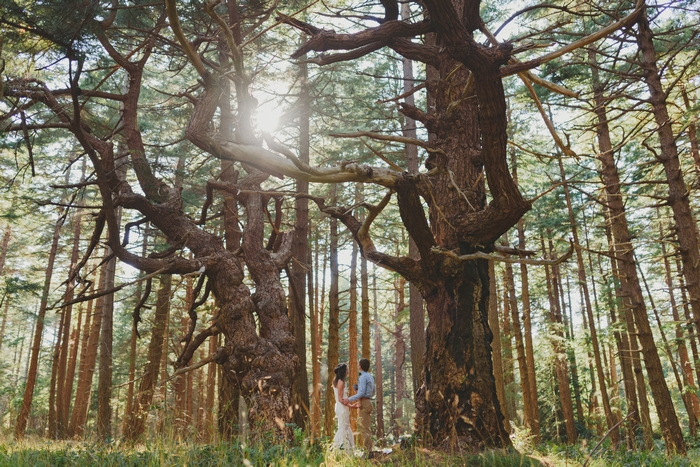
pixel 519 347
pixel 692 135
pixel 527 324
pixel 682 214
pixel 378 364
pixel 688 320
pixel 136 424
pixel 352 329
pixel 65 378
pixel 495 325
pixel 399 355
pixel 87 330
pixel 417 313
pixel 588 309
pixel 569 334
pixel 624 248
pixel 692 421
pixel 104 384
pixel 560 355
pixel 132 341
pixel 509 367
pixel 689 388
pixel 364 284
pixel 4 246
pixel 52 422
pixel 315 345
pixel 23 416
pixel 353 359
pixel 333 323
pixel 300 266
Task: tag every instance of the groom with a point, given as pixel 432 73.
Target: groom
pixel 365 393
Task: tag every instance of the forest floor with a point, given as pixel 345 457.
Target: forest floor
pixel 36 452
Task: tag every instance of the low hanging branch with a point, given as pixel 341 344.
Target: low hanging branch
pixel 504 259
pixel 187 369
pixel 102 293
pixel 392 138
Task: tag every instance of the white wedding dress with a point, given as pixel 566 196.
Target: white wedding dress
pixel 343 437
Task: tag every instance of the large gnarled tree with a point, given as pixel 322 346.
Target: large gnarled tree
pixel 457 402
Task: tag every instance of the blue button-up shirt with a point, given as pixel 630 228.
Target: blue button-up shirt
pixel 365 386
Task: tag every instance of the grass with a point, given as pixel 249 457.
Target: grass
pixel 40 452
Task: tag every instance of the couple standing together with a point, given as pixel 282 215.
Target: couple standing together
pixel 362 401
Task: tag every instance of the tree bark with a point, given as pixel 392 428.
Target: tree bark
pixel 560 355
pixel 588 309
pixel 315 343
pixel 132 342
pixel 23 415
pixel 688 320
pixel 624 249
pixel 525 385
pixel 399 355
pixel 104 384
pixel 65 380
pixel 498 369
pixel 136 425
pixel 378 364
pixel 692 135
pixel 299 265
pixel 333 323
pixel 417 313
pixel 682 215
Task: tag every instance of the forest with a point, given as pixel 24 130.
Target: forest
pixel 206 206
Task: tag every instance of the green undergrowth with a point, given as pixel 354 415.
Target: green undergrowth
pixel 40 452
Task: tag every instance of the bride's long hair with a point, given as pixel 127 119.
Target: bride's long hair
pixel 341 372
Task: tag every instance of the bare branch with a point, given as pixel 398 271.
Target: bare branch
pixel 504 259
pixel 381 137
pixel 624 22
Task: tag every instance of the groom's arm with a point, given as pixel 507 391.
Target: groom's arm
pixel 361 388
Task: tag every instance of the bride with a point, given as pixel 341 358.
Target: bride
pixel 343 437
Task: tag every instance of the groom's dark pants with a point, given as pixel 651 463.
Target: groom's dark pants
pixel 366 409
